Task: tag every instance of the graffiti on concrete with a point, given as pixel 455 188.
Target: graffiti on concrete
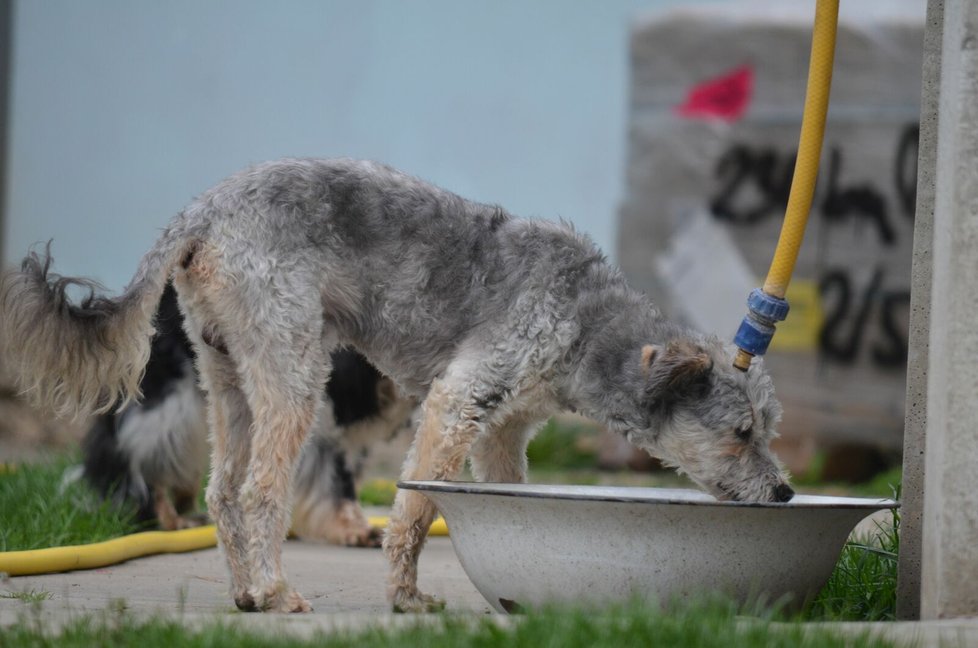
pixel 753 186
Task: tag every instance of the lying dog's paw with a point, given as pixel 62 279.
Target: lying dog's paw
pixel 413 600
pixel 359 535
pixel 349 527
pixel 369 537
pixel 344 525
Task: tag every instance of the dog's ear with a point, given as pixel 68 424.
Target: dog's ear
pixel 682 368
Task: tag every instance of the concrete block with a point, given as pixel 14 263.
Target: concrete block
pixel 839 361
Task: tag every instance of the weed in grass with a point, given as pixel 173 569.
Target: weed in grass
pixel 38 512
pixel 863 585
pixel 27 596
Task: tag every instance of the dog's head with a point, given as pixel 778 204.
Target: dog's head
pixel 710 420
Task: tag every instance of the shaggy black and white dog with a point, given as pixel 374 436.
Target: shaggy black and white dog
pixel 153 454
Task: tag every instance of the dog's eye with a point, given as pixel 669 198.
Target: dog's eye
pixel 745 432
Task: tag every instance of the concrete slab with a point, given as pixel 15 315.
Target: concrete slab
pixel 929 634
pixel 346 587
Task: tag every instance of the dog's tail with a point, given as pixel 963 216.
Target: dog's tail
pixel 76 359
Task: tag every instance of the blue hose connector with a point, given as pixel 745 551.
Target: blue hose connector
pixel 757 328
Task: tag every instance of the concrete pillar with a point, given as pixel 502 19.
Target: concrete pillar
pixel 949 558
pixel 915 424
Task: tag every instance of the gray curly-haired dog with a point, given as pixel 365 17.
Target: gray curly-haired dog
pixel 495 321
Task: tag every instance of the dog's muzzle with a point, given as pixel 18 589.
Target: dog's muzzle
pixel 783 493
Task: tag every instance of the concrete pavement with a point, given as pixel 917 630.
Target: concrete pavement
pixel 344 585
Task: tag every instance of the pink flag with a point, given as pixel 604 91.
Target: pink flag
pixel 725 97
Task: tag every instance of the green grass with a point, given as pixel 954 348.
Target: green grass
pixel 562 446
pixel 881 485
pixel 863 585
pixel 705 625
pixel 36 513
pixel 885 484
pixel 378 492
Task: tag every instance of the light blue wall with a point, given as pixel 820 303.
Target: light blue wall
pixel 123 110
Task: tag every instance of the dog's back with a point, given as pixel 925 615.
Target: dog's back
pixel 371 242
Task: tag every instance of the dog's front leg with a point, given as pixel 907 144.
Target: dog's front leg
pixel 449 425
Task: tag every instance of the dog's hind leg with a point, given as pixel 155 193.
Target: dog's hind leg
pixel 284 382
pixel 281 425
pixel 449 425
pixel 499 455
pixel 230 424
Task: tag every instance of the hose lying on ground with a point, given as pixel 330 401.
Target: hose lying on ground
pixel 136 545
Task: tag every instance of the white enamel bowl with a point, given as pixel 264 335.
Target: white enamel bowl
pixel 530 544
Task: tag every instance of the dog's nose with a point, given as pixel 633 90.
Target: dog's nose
pixel 783 493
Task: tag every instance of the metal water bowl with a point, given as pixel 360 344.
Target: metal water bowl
pixel 524 544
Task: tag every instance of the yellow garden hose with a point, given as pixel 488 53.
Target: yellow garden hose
pixel 110 552
pixel 438 527
pixel 769 306
pixel 136 545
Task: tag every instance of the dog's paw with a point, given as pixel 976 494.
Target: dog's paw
pixel 245 602
pixel 344 525
pixel 293 603
pixel 368 537
pixel 356 536
pixel 413 600
pixel 349 527
pixel 279 599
